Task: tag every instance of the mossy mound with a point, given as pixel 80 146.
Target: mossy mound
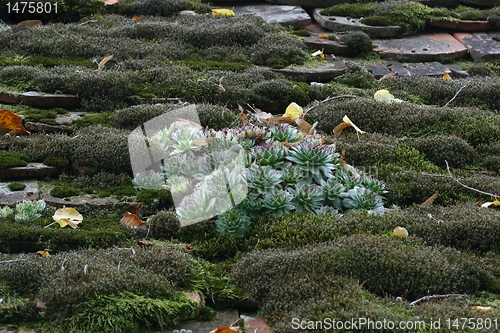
pixel 390 267
pixel 13 159
pixel 145 285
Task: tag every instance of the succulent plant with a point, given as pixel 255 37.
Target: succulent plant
pixel 270 154
pixel 196 207
pixel 247 144
pixel 327 210
pixel 374 185
pixel 261 179
pixel 178 185
pixel 233 221
pixel 278 202
pixel 253 208
pixel 149 180
pixel 292 175
pixel 316 162
pixel 6 211
pixel 285 133
pixel 334 192
pixel 307 197
pixel 363 198
pixel 183 140
pixel 29 210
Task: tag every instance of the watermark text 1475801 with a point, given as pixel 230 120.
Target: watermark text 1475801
pixel 32 7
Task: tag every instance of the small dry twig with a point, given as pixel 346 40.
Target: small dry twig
pixel 14 260
pixel 329 98
pixel 468 187
pixel 458 92
pixel 426 298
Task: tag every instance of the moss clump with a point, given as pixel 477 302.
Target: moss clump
pixel 164 225
pixel 288 49
pixel 357 77
pixel 478 70
pixel 388 267
pixel 465 226
pixel 13 159
pixel 16 186
pixel 128 312
pixel 56 161
pixel 64 191
pixel 441 148
pixel 93 232
pixel 358 41
pixel 154 200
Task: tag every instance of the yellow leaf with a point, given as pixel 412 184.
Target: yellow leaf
pixel 67 216
pixel 494 203
pixel 222 12
pixel 384 95
pixel 348 121
pixel 400 232
pixel 429 201
pixel 446 77
pixel 323 36
pixel 482 308
pixel 318 54
pixel 44 254
pixel 293 111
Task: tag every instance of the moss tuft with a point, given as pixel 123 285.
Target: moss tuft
pixel 13 159
pixel 16 186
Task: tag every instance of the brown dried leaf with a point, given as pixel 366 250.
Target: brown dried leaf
pixel 226 329
pixel 340 127
pixel 303 125
pixel 429 201
pixel 131 220
pixel 11 124
pixel 101 64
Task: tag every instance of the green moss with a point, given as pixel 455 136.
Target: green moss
pixel 64 191
pixel 496 37
pixel 354 10
pixel 13 159
pixel 91 118
pixel 358 41
pixel 16 186
pixel 204 64
pixel 56 161
pixel 128 312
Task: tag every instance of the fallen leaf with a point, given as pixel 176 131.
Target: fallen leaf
pixel 429 201
pixel 136 18
pixel 304 126
pixel 340 128
pixel 67 216
pixel 484 309
pixel 494 203
pixel 110 2
pixel 318 54
pixel 323 36
pixel 446 77
pixel 189 248
pixel 131 220
pixel 348 121
pixel 10 123
pixel 384 95
pixel 293 111
pixel 226 329
pixel 400 232
pixel 222 12
pixel 102 63
pixel 43 253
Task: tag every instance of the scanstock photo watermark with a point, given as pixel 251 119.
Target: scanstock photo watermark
pixel 204 173
pixel 355 324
